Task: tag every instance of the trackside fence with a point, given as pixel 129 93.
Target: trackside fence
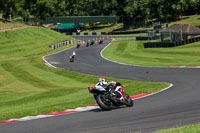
pixel 166 44
pixel 63 43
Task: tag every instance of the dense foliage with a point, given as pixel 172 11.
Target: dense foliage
pixel 136 9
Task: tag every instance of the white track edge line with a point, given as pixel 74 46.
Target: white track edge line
pixel 156 92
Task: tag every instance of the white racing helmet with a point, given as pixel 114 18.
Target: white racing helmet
pixel 101 80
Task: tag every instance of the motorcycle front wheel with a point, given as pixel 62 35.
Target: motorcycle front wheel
pixel 103 102
pixel 129 101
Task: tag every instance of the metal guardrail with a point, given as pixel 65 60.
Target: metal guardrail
pixel 63 43
pixel 147 37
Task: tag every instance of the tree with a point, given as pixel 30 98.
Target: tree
pixel 136 9
pixel 9 7
pixel 162 10
pixel 188 7
pixel 44 8
pixel 59 8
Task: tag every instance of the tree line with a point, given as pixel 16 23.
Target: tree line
pixel 162 10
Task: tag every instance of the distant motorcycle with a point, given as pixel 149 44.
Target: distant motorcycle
pixel 88 43
pixel 107 98
pixel 100 41
pixel 92 42
pixel 72 57
pixel 78 45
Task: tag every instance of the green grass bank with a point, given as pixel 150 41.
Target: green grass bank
pixel 193 20
pixel 134 53
pixel 29 87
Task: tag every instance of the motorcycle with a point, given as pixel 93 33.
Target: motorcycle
pixel 78 45
pixel 100 41
pixel 72 57
pixel 88 43
pixel 111 96
pixel 92 42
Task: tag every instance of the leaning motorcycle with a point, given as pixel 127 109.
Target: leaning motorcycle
pixel 72 57
pixel 107 98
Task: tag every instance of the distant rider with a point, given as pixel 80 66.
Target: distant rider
pixel 73 53
pixel 78 44
pixel 72 56
pixel 92 42
pixel 88 43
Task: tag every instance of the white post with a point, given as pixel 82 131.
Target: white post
pixel 170 36
pixel 181 34
pixel 10 17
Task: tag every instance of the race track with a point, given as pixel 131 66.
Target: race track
pixel 177 106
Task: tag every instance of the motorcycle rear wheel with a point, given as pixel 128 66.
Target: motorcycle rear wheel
pixel 104 103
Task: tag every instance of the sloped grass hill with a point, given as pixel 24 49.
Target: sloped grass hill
pixel 134 53
pixel 193 20
pixel 29 87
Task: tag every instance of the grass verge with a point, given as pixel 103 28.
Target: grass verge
pixel 29 87
pixel 134 53
pixel 184 129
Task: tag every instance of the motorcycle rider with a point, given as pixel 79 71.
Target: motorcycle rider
pixel 92 42
pixel 88 43
pixel 110 86
pixel 73 53
pixel 78 44
pixel 101 83
pixel 72 56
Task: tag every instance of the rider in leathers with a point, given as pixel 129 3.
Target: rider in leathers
pixel 110 86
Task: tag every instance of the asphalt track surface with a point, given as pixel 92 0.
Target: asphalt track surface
pixel 177 106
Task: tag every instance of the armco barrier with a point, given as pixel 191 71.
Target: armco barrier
pixel 90 33
pixel 147 38
pixel 165 44
pixel 60 44
pixel 129 32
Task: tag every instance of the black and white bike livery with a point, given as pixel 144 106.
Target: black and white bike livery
pixel 110 96
pixel 72 57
